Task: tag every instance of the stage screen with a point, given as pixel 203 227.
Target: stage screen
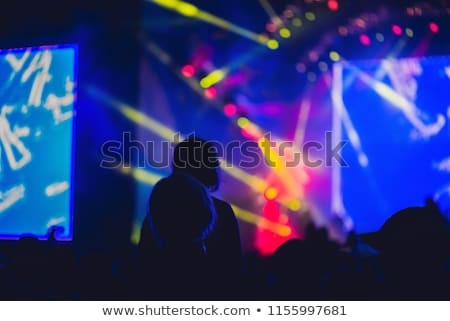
pixel 395 116
pixel 37 93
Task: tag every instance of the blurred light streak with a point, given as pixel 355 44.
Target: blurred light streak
pixel 261 222
pixel 151 179
pixel 271 193
pixel 408 108
pixel 271 13
pixel 278 166
pixel 141 175
pixel 302 121
pixel 254 182
pixel 213 78
pixel 189 10
pixel 341 111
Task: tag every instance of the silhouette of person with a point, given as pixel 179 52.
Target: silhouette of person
pixel 181 217
pixel 198 158
pixel 414 248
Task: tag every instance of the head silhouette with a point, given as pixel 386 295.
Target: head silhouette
pixel 197 157
pixel 181 213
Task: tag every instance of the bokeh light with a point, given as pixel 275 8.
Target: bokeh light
pixel 364 39
pixel 434 27
pixel 333 5
pixel 188 71
pixel 334 56
pixel 271 193
pixel 272 44
pixel 397 30
pixel 230 109
pixel 285 33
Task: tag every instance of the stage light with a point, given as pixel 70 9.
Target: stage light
pixel 272 44
pixel 210 93
pixel 297 22
pixel 271 27
pixel 288 13
pixel 271 193
pixel 188 71
pixel 379 37
pixel 230 109
pixel 434 27
pixel 261 222
pixel 285 33
pixel 301 68
pixel 409 32
pixel 364 39
pixel 189 10
pixel 310 16
pixel 285 231
pixel 333 5
pixel 242 121
pixel 363 160
pixel 323 66
pixel 334 56
pixel 294 205
pixel 313 56
pixel 213 78
pixel 397 30
pixel 343 31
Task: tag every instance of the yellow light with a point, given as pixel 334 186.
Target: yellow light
pixel 294 205
pixel 190 10
pixel 334 56
pixel 187 9
pixel 141 175
pixel 272 44
pixel 409 32
pixel 310 16
pixel 285 33
pixel 297 22
pixel 271 193
pixel 242 122
pixel 262 222
pixel 213 78
pixel 285 231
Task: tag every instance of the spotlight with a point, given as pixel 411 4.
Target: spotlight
pixel 285 33
pixel 379 37
pixel 297 22
pixel 434 27
pixel 364 39
pixel 188 71
pixel 409 32
pixel 230 110
pixel 397 30
pixel 334 56
pixel 272 44
pixel 242 121
pixel 333 5
pixel 271 193
pixel 210 93
pixel 310 16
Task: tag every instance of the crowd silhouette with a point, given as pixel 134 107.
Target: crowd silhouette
pixel 190 248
